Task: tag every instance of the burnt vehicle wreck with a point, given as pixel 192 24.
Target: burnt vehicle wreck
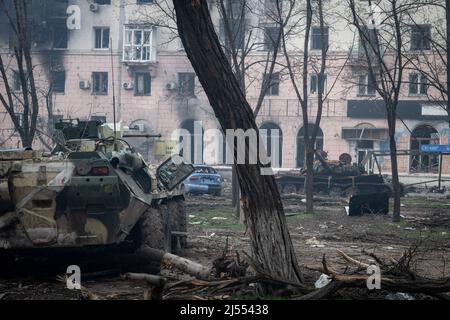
pixel 92 190
pixel 366 193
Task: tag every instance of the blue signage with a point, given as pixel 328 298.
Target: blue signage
pixel 435 148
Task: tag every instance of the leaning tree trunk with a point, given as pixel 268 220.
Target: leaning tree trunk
pixel 272 248
pixel 447 21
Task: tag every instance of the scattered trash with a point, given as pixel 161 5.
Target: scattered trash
pixel 191 216
pixel 322 281
pixel 340 227
pixel 323 226
pixel 347 210
pixel 313 242
pixel 354 247
pixel 443 233
pixel 196 222
pixel 410 228
pixel 303 200
pixel 219 218
pixel 211 235
pixel 388 248
pixel 399 296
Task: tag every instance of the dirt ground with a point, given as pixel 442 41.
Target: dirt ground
pixel 212 224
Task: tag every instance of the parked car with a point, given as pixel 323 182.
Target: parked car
pixel 204 180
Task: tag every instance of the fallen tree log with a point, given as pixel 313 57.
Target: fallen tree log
pixel 151 279
pixel 168 259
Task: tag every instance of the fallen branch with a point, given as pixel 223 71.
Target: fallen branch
pixel 151 279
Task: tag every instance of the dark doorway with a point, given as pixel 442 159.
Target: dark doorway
pixel 424 162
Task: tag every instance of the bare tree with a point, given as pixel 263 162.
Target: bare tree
pixel 299 71
pixel 27 103
pixel 272 248
pixel 382 48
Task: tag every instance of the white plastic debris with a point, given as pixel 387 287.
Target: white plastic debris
pixel 322 281
pixel 347 210
pixel 388 248
pixel 219 218
pixel 191 216
pixel 303 200
pixel 211 235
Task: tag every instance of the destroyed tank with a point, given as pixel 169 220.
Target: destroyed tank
pixel 366 193
pixel 91 190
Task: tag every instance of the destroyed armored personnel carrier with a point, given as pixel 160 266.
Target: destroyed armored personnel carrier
pixel 92 189
pixel 366 193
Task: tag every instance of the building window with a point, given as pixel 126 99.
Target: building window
pixel 315 85
pixel 100 83
pixel 366 85
pixel 58 81
pixel 367 39
pixel 142 82
pixel 16 82
pixel 274 84
pixel 237 31
pixel 59 35
pixel 101 38
pixel 270 38
pixel 144 1
pixel 270 7
pixel 186 84
pixel 102 1
pixel 420 37
pixel 317 38
pixel 137 45
pixel 417 84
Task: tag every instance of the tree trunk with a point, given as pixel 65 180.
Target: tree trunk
pixel 394 165
pixel 447 20
pixel 272 248
pixel 309 183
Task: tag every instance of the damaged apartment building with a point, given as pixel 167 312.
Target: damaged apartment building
pixel 125 44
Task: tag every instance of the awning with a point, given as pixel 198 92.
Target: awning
pixel 376 134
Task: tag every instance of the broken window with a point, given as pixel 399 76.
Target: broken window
pixel 274 84
pixel 186 84
pixel 368 40
pixel 142 83
pixel 101 38
pixel 137 45
pixel 317 86
pixel 237 30
pixel 318 38
pixel 100 83
pixel 270 38
pixel 417 84
pixel 420 37
pixel 59 35
pixel 366 85
pixel 58 81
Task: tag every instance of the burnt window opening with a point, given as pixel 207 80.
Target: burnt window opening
pixel 421 37
pixel 270 38
pixel 318 38
pixel 317 83
pixel 100 83
pixel 368 40
pixel 237 30
pixel 273 84
pixel 417 84
pixel 366 85
pixel 186 84
pixel 102 1
pixel 59 35
pixel 142 81
pixel 101 37
pixel 58 81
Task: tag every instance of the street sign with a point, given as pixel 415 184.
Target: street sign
pixel 435 148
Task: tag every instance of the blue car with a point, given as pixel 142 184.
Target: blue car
pixel 204 180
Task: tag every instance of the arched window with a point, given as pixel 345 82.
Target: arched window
pixel 272 137
pixel 301 154
pixel 424 162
